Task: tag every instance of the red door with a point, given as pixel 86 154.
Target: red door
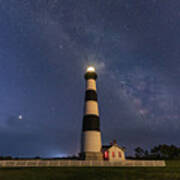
pixel 106 155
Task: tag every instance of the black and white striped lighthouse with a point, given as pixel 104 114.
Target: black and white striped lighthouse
pixel 91 135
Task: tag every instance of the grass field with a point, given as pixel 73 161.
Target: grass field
pixel 171 172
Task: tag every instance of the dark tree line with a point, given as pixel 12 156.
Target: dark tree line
pixel 73 157
pixel 161 151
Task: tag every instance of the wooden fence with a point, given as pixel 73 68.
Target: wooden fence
pixel 78 163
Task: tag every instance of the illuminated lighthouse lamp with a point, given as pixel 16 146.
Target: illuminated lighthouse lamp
pixel 90 69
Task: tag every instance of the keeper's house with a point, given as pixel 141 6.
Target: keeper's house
pixel 113 152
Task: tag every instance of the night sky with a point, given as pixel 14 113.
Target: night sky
pixel 45 47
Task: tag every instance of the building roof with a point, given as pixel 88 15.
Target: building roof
pixel 106 147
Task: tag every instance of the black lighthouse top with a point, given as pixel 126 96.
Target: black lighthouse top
pixel 90 73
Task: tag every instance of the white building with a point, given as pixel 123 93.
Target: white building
pixel 113 152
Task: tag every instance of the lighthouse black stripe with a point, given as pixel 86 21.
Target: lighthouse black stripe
pixel 91 122
pixel 91 95
pixel 90 75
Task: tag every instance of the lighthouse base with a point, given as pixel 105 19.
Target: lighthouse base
pixel 98 156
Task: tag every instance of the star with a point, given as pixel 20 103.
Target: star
pixel 20 117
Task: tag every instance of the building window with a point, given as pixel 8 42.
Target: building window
pixel 106 155
pixel 113 154
pixel 119 154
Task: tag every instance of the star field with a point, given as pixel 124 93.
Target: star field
pixel 45 46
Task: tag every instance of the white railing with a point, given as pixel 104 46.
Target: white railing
pixel 78 163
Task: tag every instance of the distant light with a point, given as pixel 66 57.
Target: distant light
pixel 90 69
pixel 20 117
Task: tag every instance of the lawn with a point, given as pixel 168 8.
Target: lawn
pixel 171 172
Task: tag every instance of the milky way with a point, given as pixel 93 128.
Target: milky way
pixel 45 46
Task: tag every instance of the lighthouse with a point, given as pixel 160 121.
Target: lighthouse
pixel 91 135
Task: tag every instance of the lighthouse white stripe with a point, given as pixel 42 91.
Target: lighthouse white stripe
pixel 91 107
pixel 91 141
pixel 91 84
